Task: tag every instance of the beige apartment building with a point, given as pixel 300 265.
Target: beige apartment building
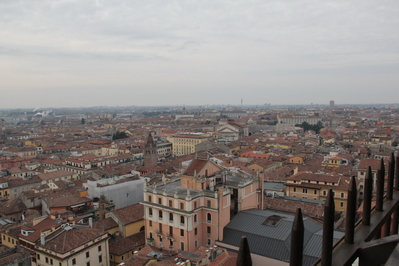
pixel 184 144
pixel 53 242
pixel 315 186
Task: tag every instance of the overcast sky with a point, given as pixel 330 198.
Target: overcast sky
pixel 75 53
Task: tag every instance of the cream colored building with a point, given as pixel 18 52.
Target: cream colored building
pixel 184 144
pixel 64 244
pixel 315 186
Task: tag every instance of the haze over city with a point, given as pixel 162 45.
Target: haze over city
pixel 92 53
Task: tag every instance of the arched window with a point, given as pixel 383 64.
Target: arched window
pixel 209 217
pixel 170 216
pixel 150 211
pixel 181 219
pixel 195 218
pixel 160 214
pixel 142 229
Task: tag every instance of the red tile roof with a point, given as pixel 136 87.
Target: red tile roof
pixel 105 224
pixel 130 214
pixel 69 240
pixel 195 167
pixel 119 245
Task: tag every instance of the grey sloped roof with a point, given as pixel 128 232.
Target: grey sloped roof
pixel 274 241
pixel 250 221
pixel 261 245
pixel 313 246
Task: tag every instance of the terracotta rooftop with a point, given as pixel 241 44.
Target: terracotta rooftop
pixel 55 174
pixel 65 201
pixel 42 226
pixel 280 204
pixel 195 167
pixel 314 177
pixel 365 163
pixel 105 224
pixel 119 245
pixel 130 214
pixel 12 206
pixel 69 240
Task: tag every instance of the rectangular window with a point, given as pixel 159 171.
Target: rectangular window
pixel 150 223
pixel 159 201
pixel 305 190
pixel 170 203
pixel 315 192
pixel 46 260
pixel 74 261
pixel 208 203
pixel 100 258
pixel 170 230
pixel 88 263
pixel 181 206
pixel 87 254
pixel 195 231
pixel 195 205
pixel 208 229
pixel 294 189
pixel 149 199
pixel 99 248
pixel 181 232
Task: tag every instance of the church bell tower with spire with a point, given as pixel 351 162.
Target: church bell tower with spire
pixel 150 152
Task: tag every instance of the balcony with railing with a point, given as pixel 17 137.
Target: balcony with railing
pixel 373 240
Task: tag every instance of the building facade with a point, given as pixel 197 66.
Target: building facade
pixel 191 211
pixel 315 186
pixel 184 144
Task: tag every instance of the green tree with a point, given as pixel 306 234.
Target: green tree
pixel 306 126
pixel 119 135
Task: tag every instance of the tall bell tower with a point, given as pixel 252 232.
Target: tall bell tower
pixel 150 152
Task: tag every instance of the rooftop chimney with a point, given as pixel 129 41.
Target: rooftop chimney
pixel 42 239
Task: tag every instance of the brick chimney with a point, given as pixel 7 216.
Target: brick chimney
pixel 101 210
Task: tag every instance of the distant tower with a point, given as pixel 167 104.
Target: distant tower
pixel 150 152
pixel 241 102
pixel 331 104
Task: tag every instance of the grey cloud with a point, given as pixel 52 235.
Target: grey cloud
pixel 204 42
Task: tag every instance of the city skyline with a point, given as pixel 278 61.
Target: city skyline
pixel 160 53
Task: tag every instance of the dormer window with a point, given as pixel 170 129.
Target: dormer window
pixel 26 232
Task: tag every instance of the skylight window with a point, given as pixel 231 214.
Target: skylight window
pixel 273 220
